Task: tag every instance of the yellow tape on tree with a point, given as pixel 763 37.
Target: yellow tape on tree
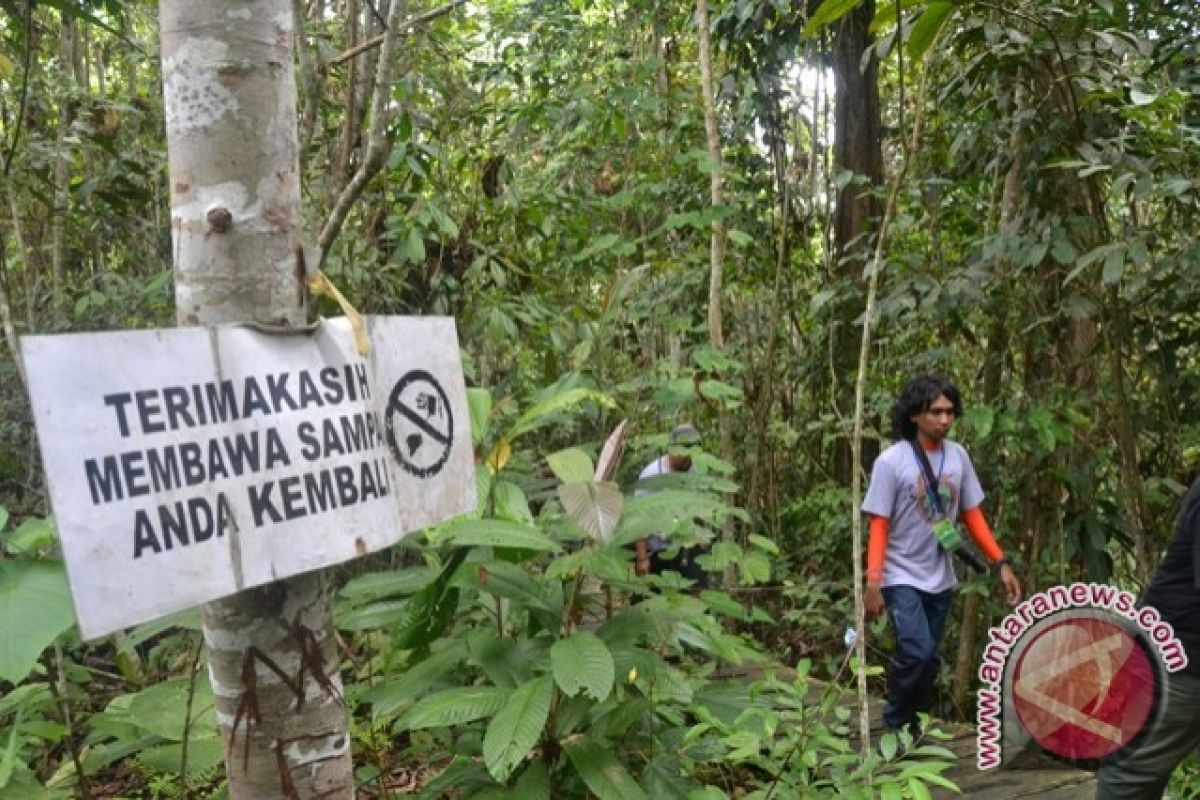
pixel 321 285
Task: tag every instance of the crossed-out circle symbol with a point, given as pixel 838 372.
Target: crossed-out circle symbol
pixel 418 424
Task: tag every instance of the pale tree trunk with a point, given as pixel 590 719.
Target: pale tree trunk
pixel 62 162
pixel 229 85
pixel 716 276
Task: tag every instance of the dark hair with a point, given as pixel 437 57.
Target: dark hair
pixel 918 396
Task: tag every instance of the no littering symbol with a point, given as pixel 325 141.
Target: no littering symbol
pixel 418 425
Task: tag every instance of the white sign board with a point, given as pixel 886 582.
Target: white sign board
pixel 186 465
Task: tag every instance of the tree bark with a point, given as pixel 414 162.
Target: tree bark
pixel 62 161
pixel 857 150
pixel 716 276
pixel 229 86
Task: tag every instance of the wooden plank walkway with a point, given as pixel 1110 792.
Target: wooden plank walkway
pixel 1031 776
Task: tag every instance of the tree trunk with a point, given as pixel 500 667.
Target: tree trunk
pixel 62 161
pixel 857 150
pixel 229 86
pixel 716 276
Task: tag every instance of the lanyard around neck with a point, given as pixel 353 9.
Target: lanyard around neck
pixel 935 490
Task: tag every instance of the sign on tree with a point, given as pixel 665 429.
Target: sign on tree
pixel 186 465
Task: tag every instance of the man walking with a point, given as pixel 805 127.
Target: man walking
pixel 920 487
pixel 652 551
pixel 1174 592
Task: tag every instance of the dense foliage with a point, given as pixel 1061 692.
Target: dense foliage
pixel 547 184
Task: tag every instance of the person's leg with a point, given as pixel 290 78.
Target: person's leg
pixel 937 609
pixel 914 648
pixel 1143 773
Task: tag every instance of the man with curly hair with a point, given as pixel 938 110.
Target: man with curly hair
pixel 920 488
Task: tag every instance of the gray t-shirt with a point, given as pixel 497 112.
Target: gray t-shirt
pixel 897 491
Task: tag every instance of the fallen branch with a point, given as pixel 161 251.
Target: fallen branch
pixel 405 27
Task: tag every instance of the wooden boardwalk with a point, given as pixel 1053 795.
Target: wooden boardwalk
pixel 1031 776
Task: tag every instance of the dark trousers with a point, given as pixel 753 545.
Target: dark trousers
pixel 918 619
pixel 1143 773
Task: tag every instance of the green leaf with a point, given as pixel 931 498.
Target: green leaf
pixel 397 583
pixel 888 745
pixel 828 12
pixel 161 709
pixel 919 792
pixel 754 567
pixel 9 759
pixel 594 505
pixel 571 465
pixel 560 401
pixel 455 707
pixel 35 606
pixel 603 774
pixel 203 755
pixel 927 27
pixel 763 543
pixel 517 727
pixel 3 518
pixel 397 690
pixel 431 610
pixel 479 409
pixel 534 783
pixel 496 533
pixel 511 503
pixel 601 244
pixel 32 535
pixel 513 582
pixel 665 778
pixel 1114 266
pixel 582 662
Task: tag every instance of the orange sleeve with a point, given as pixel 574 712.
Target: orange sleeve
pixel 982 534
pixel 876 548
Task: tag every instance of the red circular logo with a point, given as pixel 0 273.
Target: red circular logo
pixel 1083 687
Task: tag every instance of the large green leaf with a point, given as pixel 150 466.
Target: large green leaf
pixel 479 408
pixel 456 707
pixel 32 535
pixel 534 783
pixel 514 582
pixel 162 709
pixel 603 774
pixel 571 465
pixel 827 13
pixel 35 608
pixel 582 662
pixel 517 727
pixel 511 503
pixel 377 585
pixel 202 755
pixel 506 661
pixel 594 505
pixel 540 413
pixel 431 610
pixel 401 688
pixel 927 27
pixel 8 759
pixel 496 533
